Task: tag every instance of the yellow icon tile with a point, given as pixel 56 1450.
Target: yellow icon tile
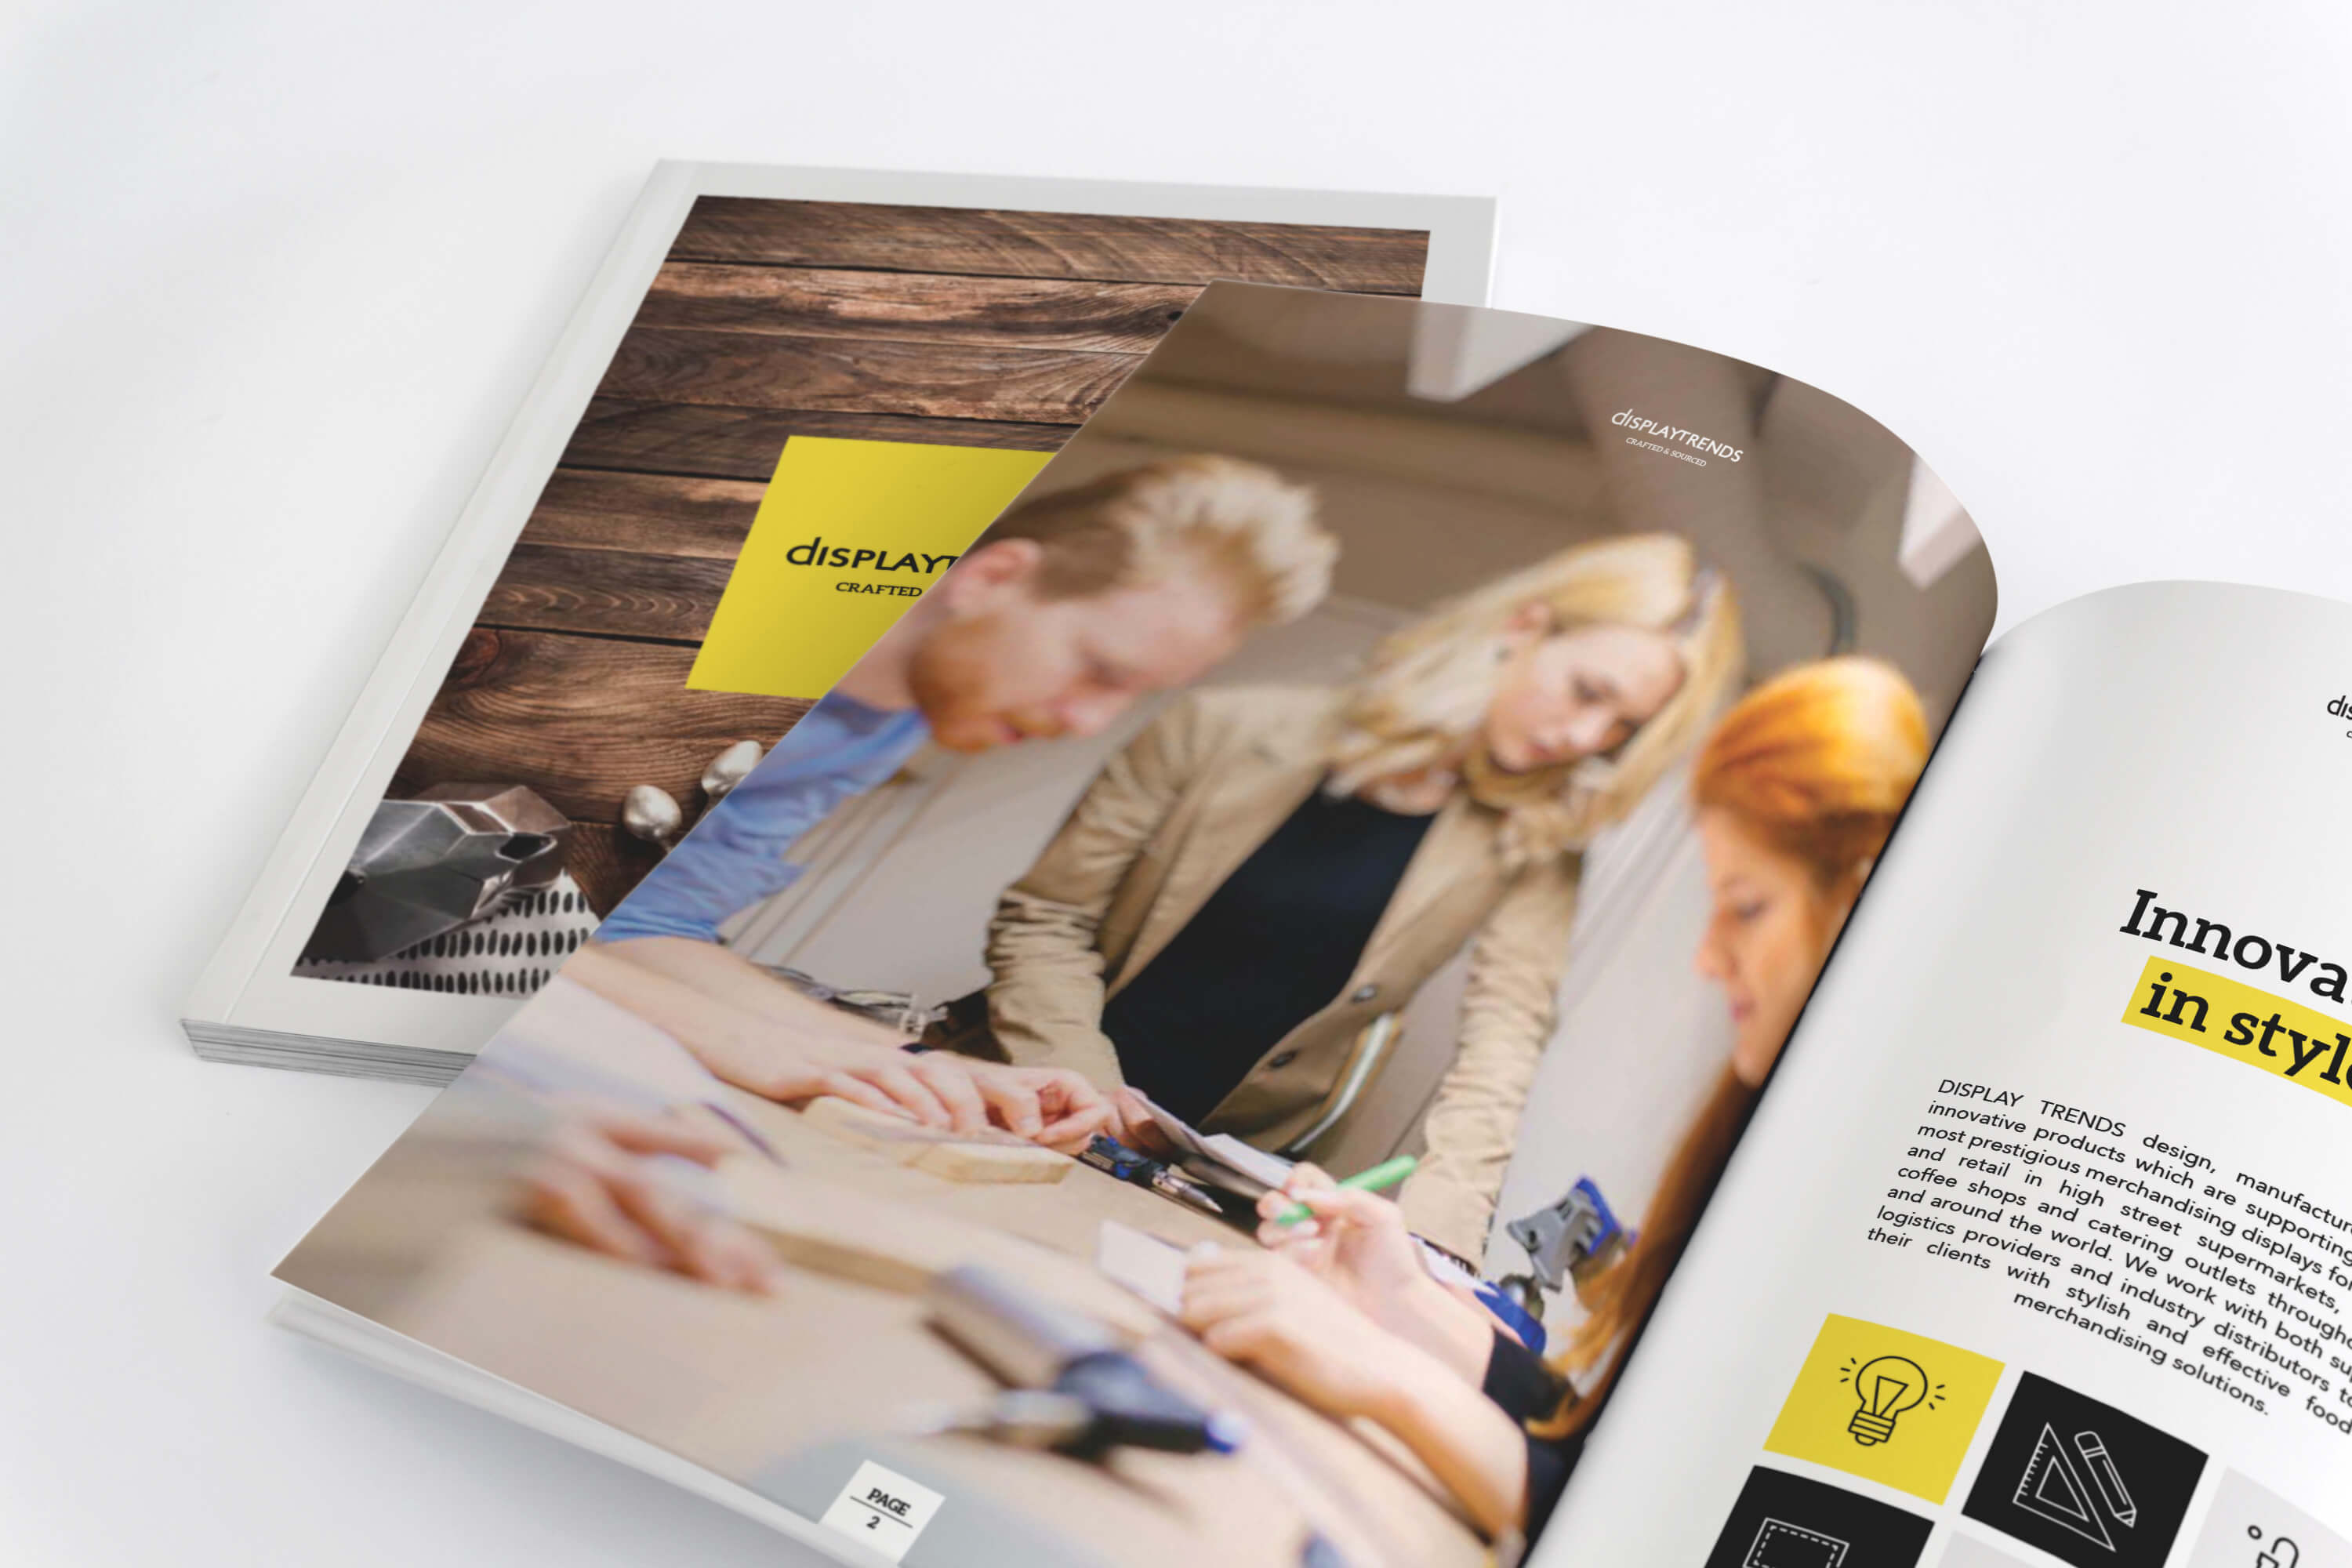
pixel 1892 1407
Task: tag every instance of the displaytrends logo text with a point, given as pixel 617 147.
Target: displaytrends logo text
pixel 1691 438
pixel 915 562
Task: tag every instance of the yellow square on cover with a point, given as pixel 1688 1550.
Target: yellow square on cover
pixel 848 535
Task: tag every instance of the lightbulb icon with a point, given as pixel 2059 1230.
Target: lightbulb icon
pixel 1886 1388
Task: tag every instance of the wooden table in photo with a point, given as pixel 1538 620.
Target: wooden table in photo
pixel 741 1385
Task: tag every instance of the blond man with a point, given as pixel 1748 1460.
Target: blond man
pixel 1070 608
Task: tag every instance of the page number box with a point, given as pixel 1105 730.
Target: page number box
pixel 882 1510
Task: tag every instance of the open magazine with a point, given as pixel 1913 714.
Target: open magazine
pixel 1382 975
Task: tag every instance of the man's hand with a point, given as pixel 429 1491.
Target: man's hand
pixel 793 1067
pixel 1051 1106
pixel 602 1182
pixel 755 1031
pixel 1047 1105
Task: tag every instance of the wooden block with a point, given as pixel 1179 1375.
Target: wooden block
pixel 986 1156
pixel 958 1162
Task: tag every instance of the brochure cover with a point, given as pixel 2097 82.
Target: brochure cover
pixel 777 366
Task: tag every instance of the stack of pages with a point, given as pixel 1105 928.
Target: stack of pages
pixel 1435 940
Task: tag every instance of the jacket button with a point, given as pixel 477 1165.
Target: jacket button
pixel 1282 1058
pixel 1365 992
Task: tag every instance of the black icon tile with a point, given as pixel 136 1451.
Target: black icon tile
pixel 2084 1481
pixel 1788 1522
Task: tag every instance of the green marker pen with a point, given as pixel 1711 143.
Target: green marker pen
pixel 1379 1178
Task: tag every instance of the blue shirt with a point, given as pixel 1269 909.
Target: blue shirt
pixel 735 855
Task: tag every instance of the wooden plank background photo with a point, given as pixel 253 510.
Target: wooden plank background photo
pixel 771 319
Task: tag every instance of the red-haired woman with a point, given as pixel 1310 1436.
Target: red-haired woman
pixel 1795 791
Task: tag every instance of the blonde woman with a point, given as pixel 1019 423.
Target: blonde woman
pixel 1264 874
pixel 1795 793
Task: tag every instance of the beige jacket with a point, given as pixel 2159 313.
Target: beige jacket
pixel 1167 820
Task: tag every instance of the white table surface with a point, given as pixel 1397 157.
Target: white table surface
pixel 272 278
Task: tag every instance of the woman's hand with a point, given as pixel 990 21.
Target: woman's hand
pixel 1357 1242
pixel 1266 1312
pixel 602 1184
pixel 1263 1310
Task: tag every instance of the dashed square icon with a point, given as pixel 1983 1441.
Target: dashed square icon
pixel 1782 1520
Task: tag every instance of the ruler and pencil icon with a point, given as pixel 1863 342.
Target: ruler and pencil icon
pixel 2054 1486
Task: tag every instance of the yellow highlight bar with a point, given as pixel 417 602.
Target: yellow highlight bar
pixel 2236 1020
pixel 848 537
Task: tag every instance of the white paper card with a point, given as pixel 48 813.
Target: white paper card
pixel 1144 1264
pixel 882 1510
pixel 1270 1169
